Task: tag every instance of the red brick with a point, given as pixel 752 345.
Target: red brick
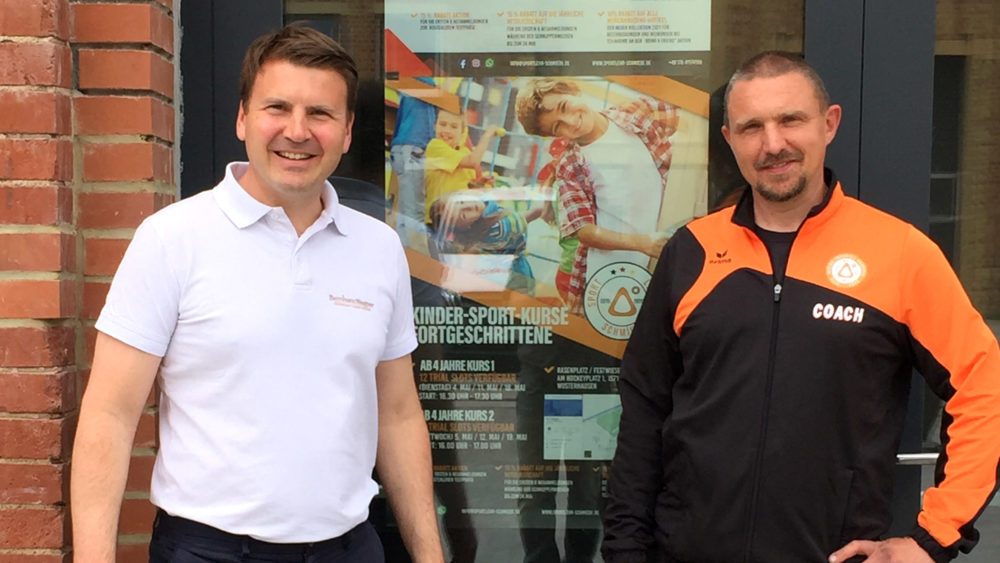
pixel 132 552
pixel 35 347
pixel 35 206
pixel 81 380
pixel 123 23
pixel 34 112
pixel 34 18
pixel 103 255
pixel 154 397
pixel 44 252
pixel 115 210
pixel 145 432
pixel 32 438
pixel 136 516
pixel 38 392
pixel 140 473
pixel 38 528
pixel 125 69
pixel 37 63
pixel 94 294
pixel 127 161
pixel 37 299
pixel 22 557
pixel 89 337
pixel 36 159
pixel 33 483
pixel 124 115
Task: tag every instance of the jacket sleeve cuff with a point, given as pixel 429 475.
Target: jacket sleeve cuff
pixel 938 552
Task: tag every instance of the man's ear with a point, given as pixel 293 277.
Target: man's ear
pixel 241 128
pixel 725 133
pixel 347 136
pixel 832 117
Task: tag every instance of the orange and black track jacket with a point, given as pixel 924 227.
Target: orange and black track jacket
pixel 760 420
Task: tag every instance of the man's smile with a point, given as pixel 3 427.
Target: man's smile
pixel 293 155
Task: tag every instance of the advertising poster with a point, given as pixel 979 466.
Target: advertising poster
pixel 541 155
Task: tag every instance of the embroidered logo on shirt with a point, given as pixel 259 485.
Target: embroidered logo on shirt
pixel 846 270
pixel 342 301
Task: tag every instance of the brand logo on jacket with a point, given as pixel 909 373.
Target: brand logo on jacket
pixel 721 258
pixel 846 270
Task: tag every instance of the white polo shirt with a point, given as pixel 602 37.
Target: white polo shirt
pixel 268 418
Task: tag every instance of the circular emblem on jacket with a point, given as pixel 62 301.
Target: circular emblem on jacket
pixel 613 297
pixel 846 270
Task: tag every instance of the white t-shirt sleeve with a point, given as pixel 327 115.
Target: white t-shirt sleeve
pixel 401 338
pixel 142 304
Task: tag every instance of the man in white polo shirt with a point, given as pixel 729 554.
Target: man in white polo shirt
pixel 280 324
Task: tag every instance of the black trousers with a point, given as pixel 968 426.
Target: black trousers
pixel 178 540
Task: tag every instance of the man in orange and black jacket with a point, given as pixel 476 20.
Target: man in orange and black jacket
pixel 765 385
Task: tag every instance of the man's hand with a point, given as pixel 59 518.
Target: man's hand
pixel 892 550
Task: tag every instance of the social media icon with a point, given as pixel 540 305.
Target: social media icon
pixel 489 62
pixel 475 63
pixel 462 63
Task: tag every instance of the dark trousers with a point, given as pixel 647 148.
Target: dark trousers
pixel 178 540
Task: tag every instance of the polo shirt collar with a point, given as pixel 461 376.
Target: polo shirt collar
pixel 244 210
pixel 332 212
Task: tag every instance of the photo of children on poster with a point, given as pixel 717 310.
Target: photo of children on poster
pixel 577 174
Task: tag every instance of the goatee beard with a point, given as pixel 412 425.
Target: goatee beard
pixel 775 196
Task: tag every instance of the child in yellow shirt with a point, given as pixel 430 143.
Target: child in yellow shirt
pixel 450 165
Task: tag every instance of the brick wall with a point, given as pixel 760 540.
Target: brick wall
pixel 86 151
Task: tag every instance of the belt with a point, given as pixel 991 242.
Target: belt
pixel 177 526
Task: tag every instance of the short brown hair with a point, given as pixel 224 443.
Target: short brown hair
pixel 529 101
pixel 302 46
pixel 770 64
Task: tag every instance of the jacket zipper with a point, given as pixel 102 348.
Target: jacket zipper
pixel 768 385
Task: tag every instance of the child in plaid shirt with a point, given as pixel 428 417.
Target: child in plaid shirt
pixel 609 192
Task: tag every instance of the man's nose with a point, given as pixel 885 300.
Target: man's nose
pixel 772 139
pixel 297 127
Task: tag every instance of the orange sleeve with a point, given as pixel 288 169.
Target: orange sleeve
pixel 959 357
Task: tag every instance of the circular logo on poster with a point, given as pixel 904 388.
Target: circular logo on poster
pixel 846 270
pixel 613 298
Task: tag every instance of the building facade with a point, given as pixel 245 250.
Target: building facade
pixel 91 122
